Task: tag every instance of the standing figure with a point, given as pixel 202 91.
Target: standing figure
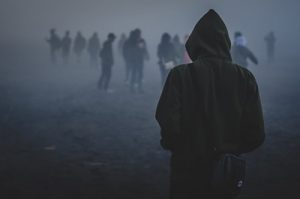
pixel 179 49
pixel 121 43
pixel 127 55
pixel 79 46
pixel 54 43
pixel 186 56
pixel 93 49
pixel 107 61
pixel 270 42
pixel 166 56
pixel 66 46
pixel 208 107
pixel 139 53
pixel 240 53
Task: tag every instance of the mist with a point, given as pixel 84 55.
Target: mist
pixel 62 137
pixel 28 21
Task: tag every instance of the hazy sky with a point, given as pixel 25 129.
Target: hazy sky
pixel 30 20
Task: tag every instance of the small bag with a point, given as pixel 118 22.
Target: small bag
pixel 228 175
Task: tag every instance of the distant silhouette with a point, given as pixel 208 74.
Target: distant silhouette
pixel 179 49
pixel 79 46
pixel 139 53
pixel 93 49
pixel 127 55
pixel 240 53
pixel 66 46
pixel 54 43
pixel 107 62
pixel 186 56
pixel 121 43
pixel 270 42
pixel 166 56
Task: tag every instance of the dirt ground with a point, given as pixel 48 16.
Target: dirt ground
pixel 62 138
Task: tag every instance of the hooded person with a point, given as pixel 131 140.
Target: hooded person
pixel 207 107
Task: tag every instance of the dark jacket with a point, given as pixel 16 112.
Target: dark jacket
pixel 210 98
pixel 106 54
pixel 66 44
pixel 79 43
pixel 166 52
pixel 139 52
pixel 93 46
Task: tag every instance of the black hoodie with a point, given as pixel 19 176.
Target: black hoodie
pixel 210 104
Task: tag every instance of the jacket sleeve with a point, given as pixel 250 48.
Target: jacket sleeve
pixel 252 56
pixel 252 126
pixel 168 112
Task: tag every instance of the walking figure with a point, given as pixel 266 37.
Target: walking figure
pixel 186 56
pixel 128 47
pixel 270 42
pixel 66 46
pixel 107 61
pixel 54 43
pixel 79 46
pixel 166 56
pixel 240 52
pixel 179 49
pixel 139 53
pixel 93 50
pixel 121 43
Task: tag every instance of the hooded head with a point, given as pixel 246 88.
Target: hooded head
pixel 52 31
pixel 95 35
pixel 111 36
pixel 165 38
pixel 209 38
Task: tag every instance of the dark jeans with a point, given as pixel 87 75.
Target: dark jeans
pixel 105 76
pixel 136 76
pixel 128 70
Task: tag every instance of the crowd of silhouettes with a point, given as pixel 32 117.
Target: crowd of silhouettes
pixel 171 51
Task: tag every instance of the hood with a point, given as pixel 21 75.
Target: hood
pixel 209 38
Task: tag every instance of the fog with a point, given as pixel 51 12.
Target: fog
pixel 62 137
pixel 29 21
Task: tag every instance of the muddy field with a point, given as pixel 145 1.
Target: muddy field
pixel 62 138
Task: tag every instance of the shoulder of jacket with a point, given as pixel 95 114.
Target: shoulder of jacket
pixel 176 70
pixel 180 68
pixel 246 74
